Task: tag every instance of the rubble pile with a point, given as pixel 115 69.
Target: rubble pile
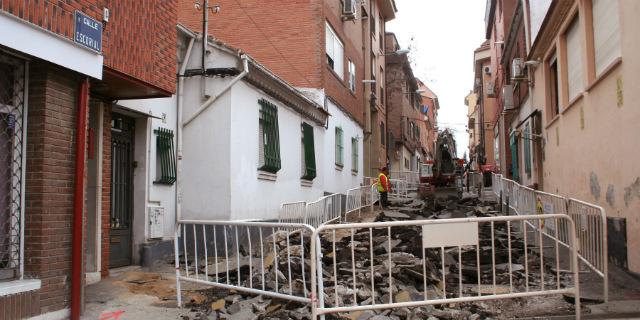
pixel 401 253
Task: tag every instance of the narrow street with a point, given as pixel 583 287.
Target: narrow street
pixel 319 159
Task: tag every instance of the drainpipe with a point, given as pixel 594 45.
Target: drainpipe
pixel 78 202
pixel 206 104
pixel 180 97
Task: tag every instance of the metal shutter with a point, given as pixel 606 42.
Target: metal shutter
pixel 606 33
pixel 575 67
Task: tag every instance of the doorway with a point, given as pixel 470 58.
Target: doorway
pixel 121 215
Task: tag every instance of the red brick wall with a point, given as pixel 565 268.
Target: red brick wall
pixel 288 38
pixel 106 189
pixel 139 39
pixel 285 36
pixel 350 32
pixel 49 181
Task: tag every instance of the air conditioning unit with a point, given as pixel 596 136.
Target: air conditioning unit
pixel 507 97
pixel 487 70
pixel 349 9
pixel 517 69
pixel 156 222
pixel 491 89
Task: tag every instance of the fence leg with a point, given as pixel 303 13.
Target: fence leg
pixel 177 259
pixel 506 207
pixel 468 173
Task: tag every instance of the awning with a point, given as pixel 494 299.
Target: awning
pixel 133 112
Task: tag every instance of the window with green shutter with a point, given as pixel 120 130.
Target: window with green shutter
pixel 339 147
pixel 308 153
pixel 269 137
pixel 527 150
pixel 354 154
pixel 165 157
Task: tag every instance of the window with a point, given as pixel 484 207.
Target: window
pixel 269 138
pixel 383 133
pixel 339 147
pixel 12 126
pixel 575 70
pixel 554 103
pixel 372 22
pixel 513 143
pixel 354 154
pixel 352 76
pixel 606 33
pixel 165 157
pixel 381 90
pixel 335 51
pixel 527 150
pixel 406 163
pixel 373 73
pixel 308 153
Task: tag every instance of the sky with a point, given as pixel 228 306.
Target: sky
pixel 442 35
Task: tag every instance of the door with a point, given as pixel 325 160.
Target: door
pixel 121 216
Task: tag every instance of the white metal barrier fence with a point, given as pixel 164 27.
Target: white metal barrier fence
pixel 439 259
pixel 292 212
pixel 590 221
pixel 360 198
pixel 324 210
pixel 259 258
pixel 399 189
pixel 411 177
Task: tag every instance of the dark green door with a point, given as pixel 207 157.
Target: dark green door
pixel 121 218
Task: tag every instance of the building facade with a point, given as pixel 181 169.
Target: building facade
pixel 63 66
pixel 403 111
pixel 569 67
pixel 429 126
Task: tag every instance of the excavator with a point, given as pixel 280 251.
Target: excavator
pixel 445 170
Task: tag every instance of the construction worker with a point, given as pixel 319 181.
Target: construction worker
pixel 384 187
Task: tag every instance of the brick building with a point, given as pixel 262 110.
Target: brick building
pixel 403 111
pixel 57 114
pixel 429 107
pixel 320 47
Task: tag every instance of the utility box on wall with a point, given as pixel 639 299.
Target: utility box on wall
pixel 156 222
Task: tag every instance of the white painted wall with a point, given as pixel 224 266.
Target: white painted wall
pixel 251 197
pixel 146 193
pixel 339 181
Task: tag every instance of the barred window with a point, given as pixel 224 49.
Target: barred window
pixel 354 155
pixel 339 147
pixel 165 157
pixel 308 153
pixel 12 123
pixel 269 138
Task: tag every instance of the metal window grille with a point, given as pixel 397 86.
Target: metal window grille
pixel 339 147
pixel 354 154
pixel 12 142
pixel 269 137
pixel 165 155
pixel 308 153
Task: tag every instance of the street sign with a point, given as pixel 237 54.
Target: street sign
pixel 88 31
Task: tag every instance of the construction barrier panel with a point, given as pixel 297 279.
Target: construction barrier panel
pixel 360 198
pixel 262 258
pixel 590 222
pixel 324 210
pixel 292 212
pixel 368 263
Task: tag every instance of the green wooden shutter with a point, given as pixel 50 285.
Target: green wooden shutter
pixel 354 155
pixel 309 152
pixel 339 147
pixel 166 156
pixel 271 139
pixel 513 141
pixel 527 151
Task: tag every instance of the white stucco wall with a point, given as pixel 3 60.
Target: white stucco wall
pixel 146 193
pixel 339 181
pixel 254 198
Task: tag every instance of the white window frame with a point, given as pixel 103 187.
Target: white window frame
pixel 606 33
pixel 575 65
pixel 334 50
pixel 352 76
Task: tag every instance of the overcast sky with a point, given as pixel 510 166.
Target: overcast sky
pixel 444 34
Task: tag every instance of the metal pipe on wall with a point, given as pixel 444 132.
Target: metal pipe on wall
pixel 78 202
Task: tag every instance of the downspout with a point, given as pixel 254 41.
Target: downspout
pixel 183 68
pixel 206 104
pixel 78 202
